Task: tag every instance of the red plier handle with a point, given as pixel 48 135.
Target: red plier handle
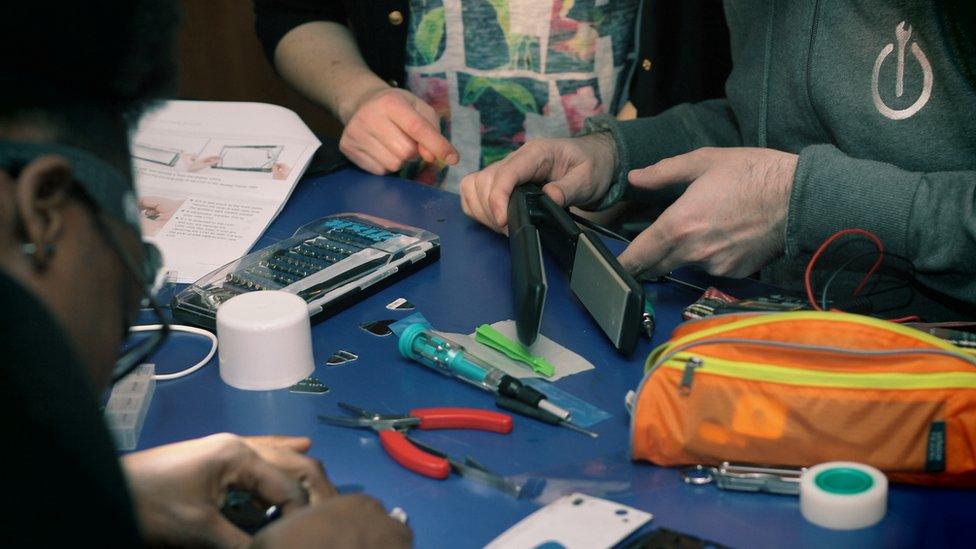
pixel 463 418
pixel 429 465
pixel 413 458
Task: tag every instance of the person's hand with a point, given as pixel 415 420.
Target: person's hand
pixel 156 212
pixel 342 521
pixel 280 171
pixel 150 208
pixel 178 489
pixel 195 163
pixel 576 172
pixel 731 220
pixel 390 127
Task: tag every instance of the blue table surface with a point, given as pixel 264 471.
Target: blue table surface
pixel 468 286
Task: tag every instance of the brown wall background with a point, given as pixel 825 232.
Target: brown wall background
pixel 221 59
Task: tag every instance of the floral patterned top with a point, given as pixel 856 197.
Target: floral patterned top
pixel 499 72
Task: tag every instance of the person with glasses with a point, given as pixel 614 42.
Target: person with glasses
pixel 74 274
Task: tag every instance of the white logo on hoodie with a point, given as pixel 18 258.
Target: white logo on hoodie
pixel 902 35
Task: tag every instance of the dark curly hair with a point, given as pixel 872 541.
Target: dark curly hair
pixel 85 69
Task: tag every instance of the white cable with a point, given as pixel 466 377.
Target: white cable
pixel 189 330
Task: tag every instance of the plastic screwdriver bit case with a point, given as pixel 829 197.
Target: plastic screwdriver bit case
pixel 330 263
pixel 128 404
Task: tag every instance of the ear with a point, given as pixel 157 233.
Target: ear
pixel 41 191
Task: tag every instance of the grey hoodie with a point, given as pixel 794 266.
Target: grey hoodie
pixel 876 97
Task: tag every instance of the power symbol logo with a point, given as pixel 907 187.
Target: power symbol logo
pixel 902 35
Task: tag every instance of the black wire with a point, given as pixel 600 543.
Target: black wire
pixel 846 264
pixel 596 227
pixel 607 232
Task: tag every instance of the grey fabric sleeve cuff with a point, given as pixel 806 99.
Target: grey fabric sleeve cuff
pixel 832 191
pixel 638 145
pixel 678 130
pixel 618 185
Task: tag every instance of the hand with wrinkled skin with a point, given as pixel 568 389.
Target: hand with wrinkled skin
pixel 178 489
pixel 575 172
pixel 389 127
pixel 731 220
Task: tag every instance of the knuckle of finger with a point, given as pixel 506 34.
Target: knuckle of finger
pixel 393 165
pixel 386 99
pixel 498 197
pixel 661 165
pixel 714 268
pixel 404 153
pixel 314 468
pixel 367 503
pixel 482 182
pixel 426 110
pixel 226 439
pixel 679 231
pixel 231 448
pixel 415 126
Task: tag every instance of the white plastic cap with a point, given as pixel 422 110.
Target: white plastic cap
pixel 265 340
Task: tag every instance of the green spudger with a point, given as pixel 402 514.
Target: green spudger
pixel 486 335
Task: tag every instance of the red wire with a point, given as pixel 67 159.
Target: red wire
pixel 823 247
pixel 904 319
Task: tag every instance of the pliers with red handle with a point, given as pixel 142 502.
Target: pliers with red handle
pixel 392 428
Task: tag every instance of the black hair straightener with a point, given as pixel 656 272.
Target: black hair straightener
pixel 613 298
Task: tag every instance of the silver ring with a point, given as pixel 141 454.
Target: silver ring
pixel 698 475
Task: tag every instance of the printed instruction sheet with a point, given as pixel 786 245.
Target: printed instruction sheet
pixel 211 176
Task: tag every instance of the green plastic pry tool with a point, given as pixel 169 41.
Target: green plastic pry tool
pixel 486 335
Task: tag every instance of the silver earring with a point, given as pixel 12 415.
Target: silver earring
pixel 30 249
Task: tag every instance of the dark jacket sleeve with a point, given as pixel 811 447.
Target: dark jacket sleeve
pixel 678 130
pixel 683 55
pixel 274 18
pixel 61 470
pixel 928 217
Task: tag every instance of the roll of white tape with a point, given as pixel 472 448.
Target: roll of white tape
pixel 843 495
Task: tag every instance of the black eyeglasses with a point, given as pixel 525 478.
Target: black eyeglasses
pixel 136 353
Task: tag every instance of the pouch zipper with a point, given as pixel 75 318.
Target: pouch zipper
pixel 752 371
pixel 763 318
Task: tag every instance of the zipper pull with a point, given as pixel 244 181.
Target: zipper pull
pixel 689 375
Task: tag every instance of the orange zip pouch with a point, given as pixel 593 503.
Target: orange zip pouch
pixel 806 387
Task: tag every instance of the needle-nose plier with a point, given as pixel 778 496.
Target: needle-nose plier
pixel 392 429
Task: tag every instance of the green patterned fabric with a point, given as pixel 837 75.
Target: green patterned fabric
pixel 499 72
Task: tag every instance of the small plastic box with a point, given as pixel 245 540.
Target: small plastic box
pixel 128 405
pixel 330 263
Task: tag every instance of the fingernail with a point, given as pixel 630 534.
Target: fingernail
pixel 452 159
pixel 625 264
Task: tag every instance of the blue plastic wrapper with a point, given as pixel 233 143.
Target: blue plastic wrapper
pixel 399 326
pixel 583 413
